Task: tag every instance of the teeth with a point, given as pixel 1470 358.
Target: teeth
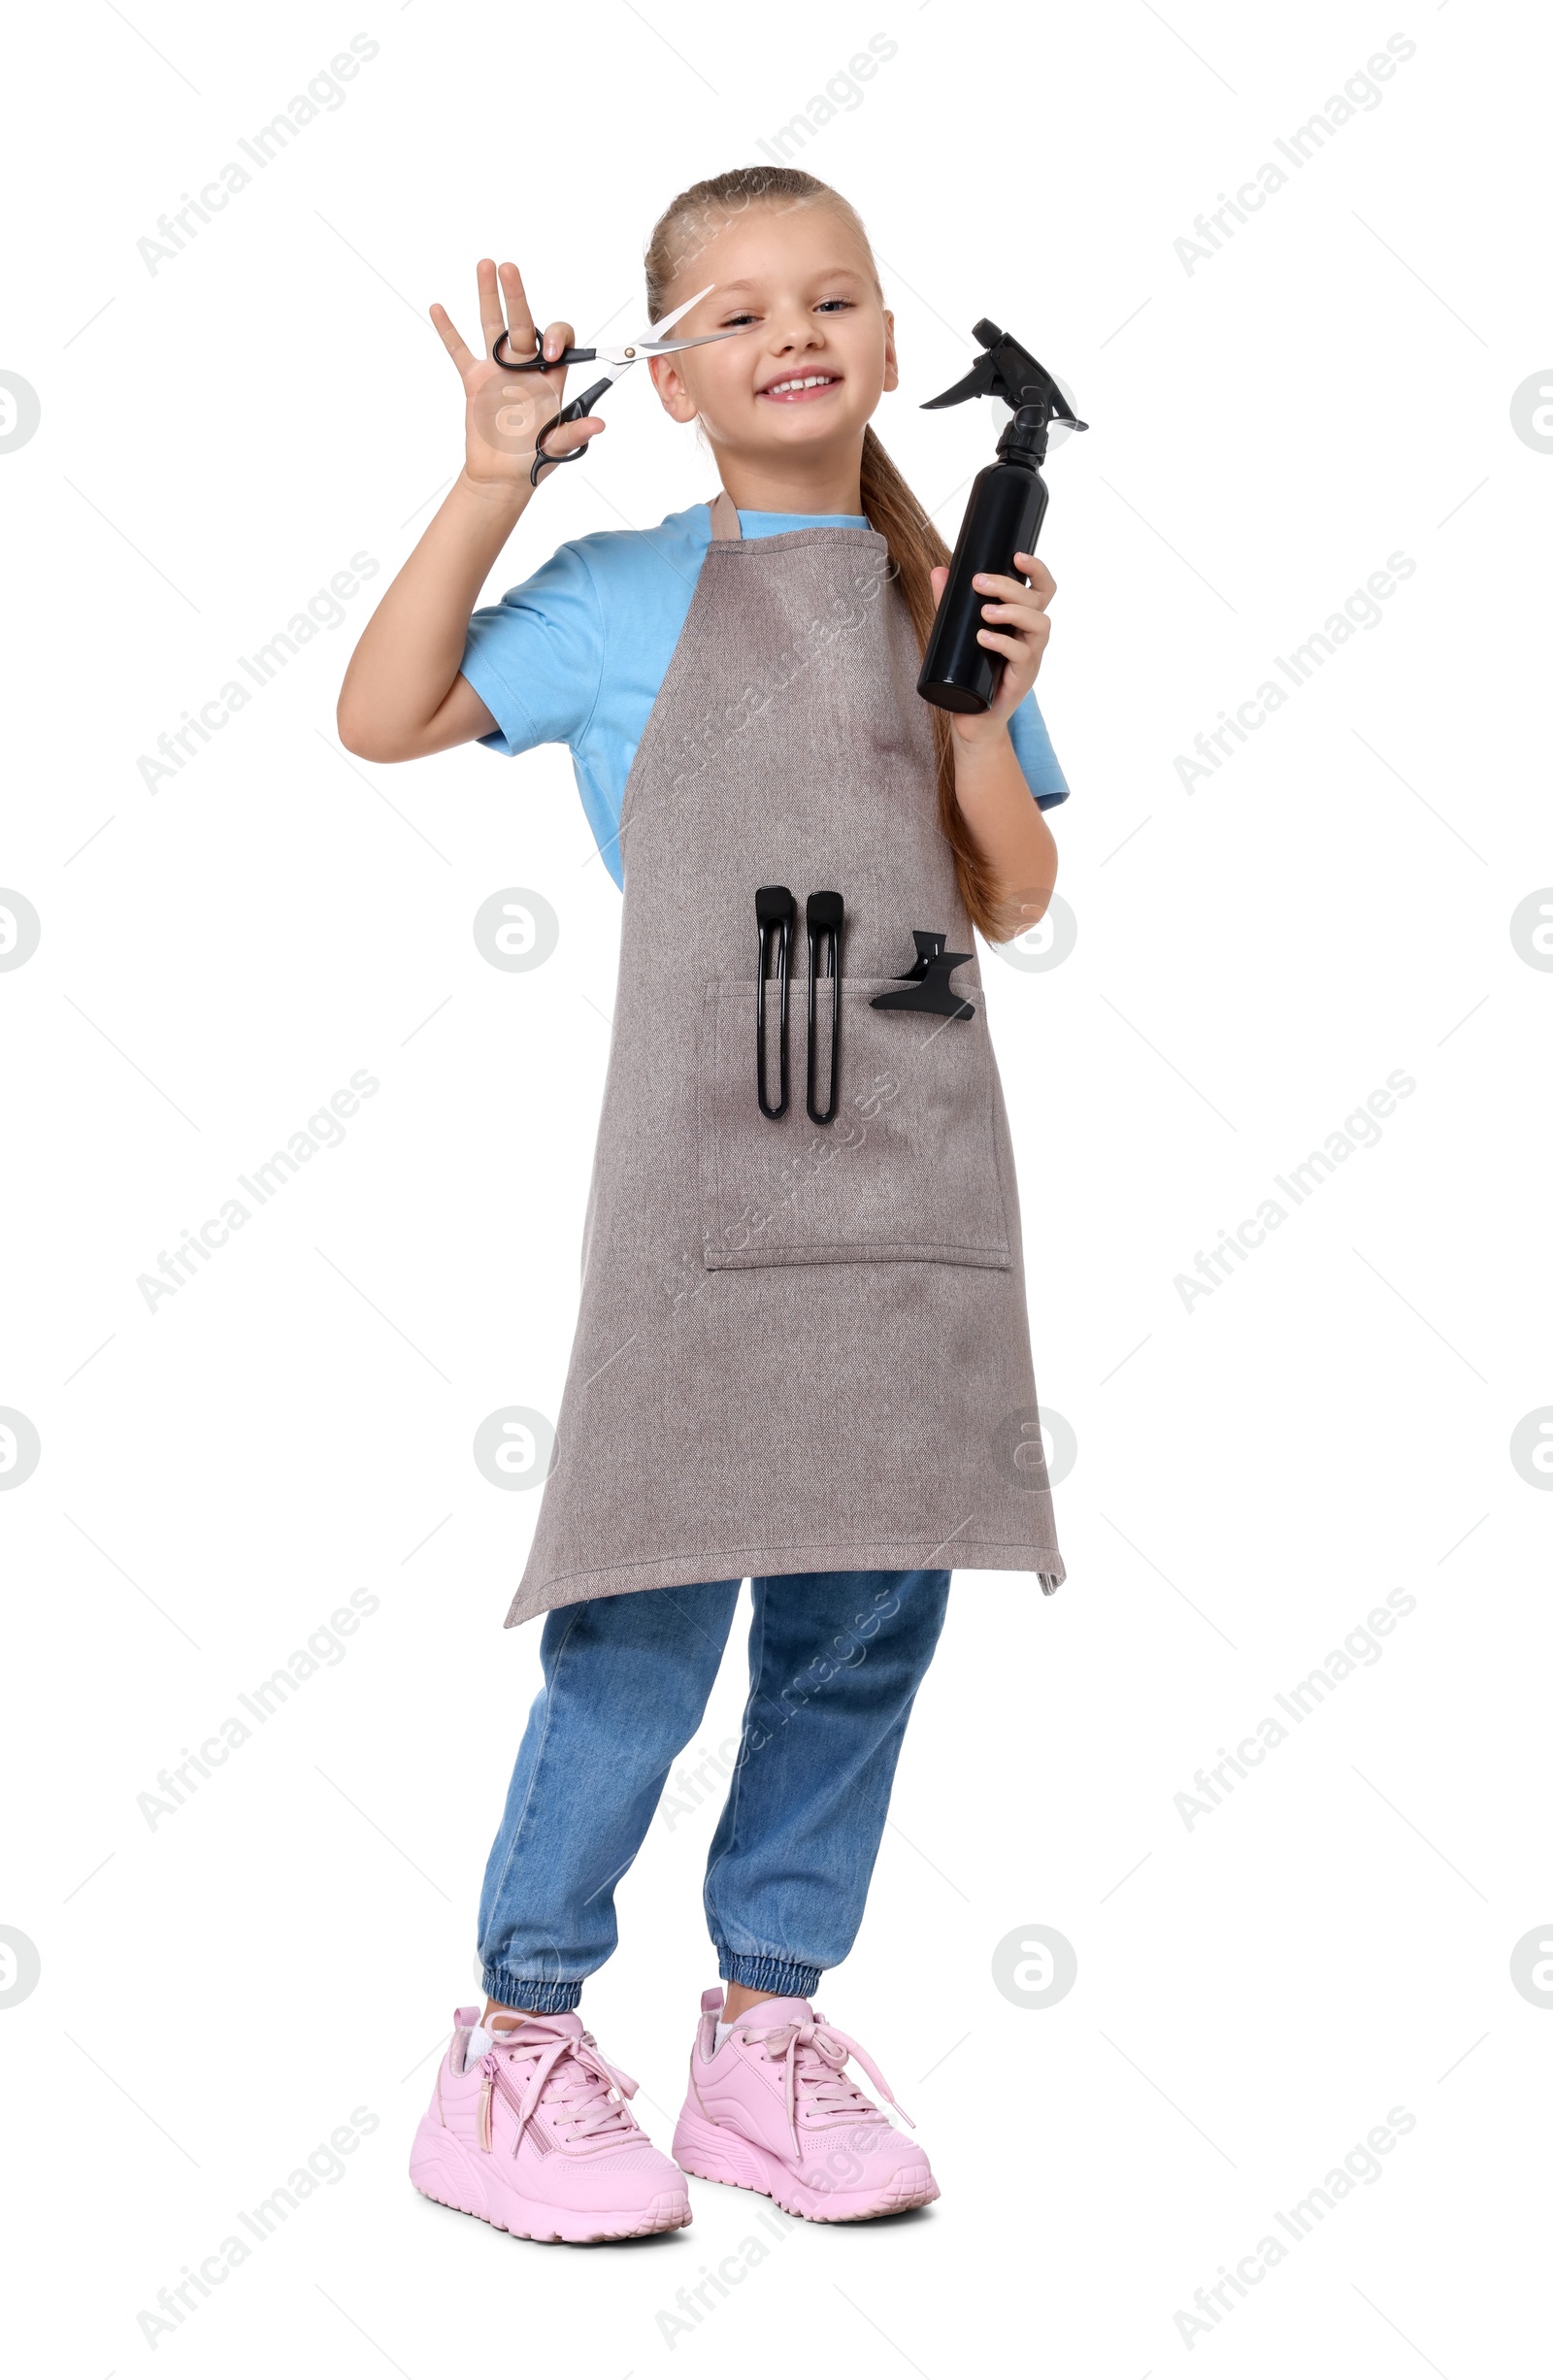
pixel 816 380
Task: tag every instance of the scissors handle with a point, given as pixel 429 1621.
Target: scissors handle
pixel 539 361
pixel 584 404
pixel 574 412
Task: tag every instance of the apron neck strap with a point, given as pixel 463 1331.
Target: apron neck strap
pixel 724 516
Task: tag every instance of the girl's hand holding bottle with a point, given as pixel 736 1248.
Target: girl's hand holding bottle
pixel 1013 838
pixel 1014 625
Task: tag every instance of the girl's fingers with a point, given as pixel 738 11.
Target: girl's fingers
pixel 558 336
pixel 1042 583
pixel 1038 593
pixel 1019 619
pixel 450 337
pixel 574 434
pixel 519 319
pixel 491 324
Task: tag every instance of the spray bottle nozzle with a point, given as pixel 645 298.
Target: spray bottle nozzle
pixel 1007 369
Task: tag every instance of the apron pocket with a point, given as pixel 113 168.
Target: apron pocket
pixel 908 1171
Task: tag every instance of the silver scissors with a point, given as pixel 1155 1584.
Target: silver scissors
pixel 615 360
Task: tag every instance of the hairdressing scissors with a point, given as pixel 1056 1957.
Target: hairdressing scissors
pixel 615 360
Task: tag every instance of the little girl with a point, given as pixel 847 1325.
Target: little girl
pixel 802 1355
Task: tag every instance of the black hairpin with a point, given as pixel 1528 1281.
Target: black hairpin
pixel 774 912
pixel 824 913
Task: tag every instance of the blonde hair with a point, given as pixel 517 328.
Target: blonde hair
pixel 683 228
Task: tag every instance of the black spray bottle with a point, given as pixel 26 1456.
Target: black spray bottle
pixel 1003 518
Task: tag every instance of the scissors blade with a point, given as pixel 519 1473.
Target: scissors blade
pixel 665 323
pixel 672 347
pixel 656 344
pixel 618 359
pixel 647 343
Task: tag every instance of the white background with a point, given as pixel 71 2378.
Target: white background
pixel 1253 958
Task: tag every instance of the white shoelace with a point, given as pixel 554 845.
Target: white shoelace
pixel 814 2057
pixel 587 2104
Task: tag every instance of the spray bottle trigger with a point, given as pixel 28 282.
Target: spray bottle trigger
pixel 1007 370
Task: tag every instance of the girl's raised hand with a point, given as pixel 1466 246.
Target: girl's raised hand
pixel 503 411
pixel 1014 625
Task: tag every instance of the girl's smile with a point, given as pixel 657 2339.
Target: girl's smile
pixel 799 388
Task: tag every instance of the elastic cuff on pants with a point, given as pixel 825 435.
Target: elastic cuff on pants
pixel 763 1975
pixel 516 1992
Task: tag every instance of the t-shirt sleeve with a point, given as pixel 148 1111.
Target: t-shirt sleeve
pixel 536 658
pixel 1027 732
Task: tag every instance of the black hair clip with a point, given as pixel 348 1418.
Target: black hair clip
pixel 774 912
pixel 927 990
pixel 824 913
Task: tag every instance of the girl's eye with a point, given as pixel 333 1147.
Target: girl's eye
pixel 732 322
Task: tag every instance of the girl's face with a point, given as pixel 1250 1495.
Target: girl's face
pixel 808 375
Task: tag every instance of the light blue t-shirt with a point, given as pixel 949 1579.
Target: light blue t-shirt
pixel 576 654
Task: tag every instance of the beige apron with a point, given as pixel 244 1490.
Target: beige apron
pixel 800 1347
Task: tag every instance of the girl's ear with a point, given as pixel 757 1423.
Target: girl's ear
pixel 672 394
pixel 892 375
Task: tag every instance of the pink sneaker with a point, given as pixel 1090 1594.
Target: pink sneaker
pixel 773 2110
pixel 533 2134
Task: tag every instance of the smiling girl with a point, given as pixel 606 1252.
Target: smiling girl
pixel 802 1355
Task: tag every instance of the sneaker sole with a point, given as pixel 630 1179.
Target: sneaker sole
pixel 713 2154
pixel 441 2170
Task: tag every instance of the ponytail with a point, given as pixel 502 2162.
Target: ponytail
pixel 915 548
